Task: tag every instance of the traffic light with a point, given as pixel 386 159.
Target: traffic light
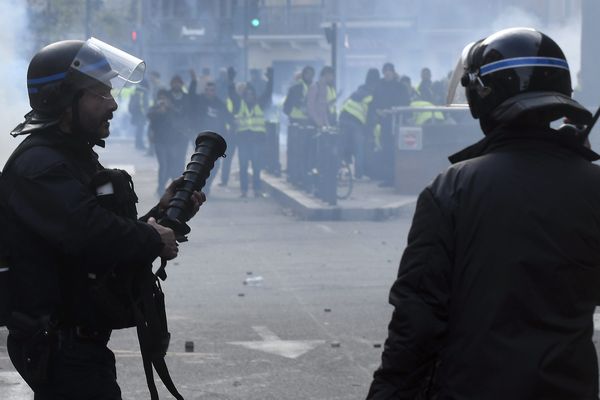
pixel 134 36
pixel 253 15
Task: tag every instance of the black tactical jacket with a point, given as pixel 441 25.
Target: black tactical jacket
pixel 59 236
pixel 498 285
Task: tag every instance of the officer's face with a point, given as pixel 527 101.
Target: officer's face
pixel 96 108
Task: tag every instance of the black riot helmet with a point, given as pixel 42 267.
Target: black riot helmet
pixel 60 72
pixel 515 72
pixel 48 93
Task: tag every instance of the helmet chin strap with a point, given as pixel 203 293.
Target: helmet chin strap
pixel 77 127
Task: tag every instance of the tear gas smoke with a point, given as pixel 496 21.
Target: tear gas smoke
pixel 13 72
pixel 439 53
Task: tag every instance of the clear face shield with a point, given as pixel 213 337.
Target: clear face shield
pixel 97 67
pixel 457 95
pixel 107 65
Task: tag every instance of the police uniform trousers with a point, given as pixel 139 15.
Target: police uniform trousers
pixel 78 369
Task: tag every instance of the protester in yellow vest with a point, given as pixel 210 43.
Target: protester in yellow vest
pixel 294 105
pixel 353 120
pixel 138 107
pixel 425 117
pixel 251 128
pixel 230 137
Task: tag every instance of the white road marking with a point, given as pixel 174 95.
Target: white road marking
pixel 134 353
pixel 272 344
pixel 325 228
pixel 13 387
pixel 266 334
pixel 129 168
pixel 597 322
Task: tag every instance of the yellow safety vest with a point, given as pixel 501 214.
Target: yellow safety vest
pixel 423 116
pixel 377 136
pixel 229 105
pixel 331 99
pixel 298 113
pixel 357 109
pixel 126 92
pixel 253 121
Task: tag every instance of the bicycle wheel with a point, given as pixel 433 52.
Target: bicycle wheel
pixel 345 182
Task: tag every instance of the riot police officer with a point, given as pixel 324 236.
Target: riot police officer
pixel 499 281
pixel 62 241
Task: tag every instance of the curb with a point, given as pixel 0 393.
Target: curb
pixel 308 208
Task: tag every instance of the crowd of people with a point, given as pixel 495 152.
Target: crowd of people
pixel 169 118
pixel 366 132
pixel 175 115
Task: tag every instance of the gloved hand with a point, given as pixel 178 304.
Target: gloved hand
pixel 197 198
pixel 578 131
pixel 167 236
pixel 269 73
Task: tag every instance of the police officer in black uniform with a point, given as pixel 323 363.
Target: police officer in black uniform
pixel 498 284
pixel 62 240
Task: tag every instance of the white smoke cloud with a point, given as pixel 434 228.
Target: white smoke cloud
pixel 13 70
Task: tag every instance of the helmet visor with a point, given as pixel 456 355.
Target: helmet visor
pixel 108 65
pixel 457 96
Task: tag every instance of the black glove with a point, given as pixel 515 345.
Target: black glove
pixel 575 131
pixel 231 74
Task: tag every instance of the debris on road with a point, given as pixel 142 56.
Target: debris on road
pixel 254 281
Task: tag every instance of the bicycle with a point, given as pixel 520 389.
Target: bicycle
pixel 334 175
pixel 345 181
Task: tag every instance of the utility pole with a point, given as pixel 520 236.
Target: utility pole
pixel 334 51
pixel 590 53
pixel 88 19
pixel 343 50
pixel 246 27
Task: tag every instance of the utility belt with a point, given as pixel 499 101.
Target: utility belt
pixel 39 339
pixel 84 334
pixel 25 328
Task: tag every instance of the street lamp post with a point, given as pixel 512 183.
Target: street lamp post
pixel 88 19
pixel 245 24
pixel 590 52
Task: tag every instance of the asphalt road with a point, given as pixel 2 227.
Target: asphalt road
pixel 311 329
